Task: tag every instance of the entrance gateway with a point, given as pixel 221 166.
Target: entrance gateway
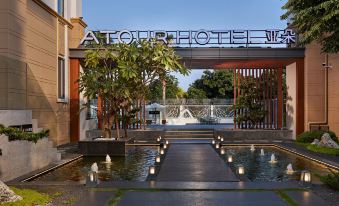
pixel 246 52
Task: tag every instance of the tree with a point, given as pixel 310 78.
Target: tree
pixel 120 75
pixel 104 77
pixel 195 93
pixel 216 84
pixel 315 20
pixel 172 88
pixel 252 110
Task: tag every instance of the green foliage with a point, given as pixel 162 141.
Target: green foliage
pixel 172 89
pixel 309 136
pixel 195 93
pixel 216 84
pixel 120 74
pixel 16 134
pixel 253 112
pixel 315 20
pixel 331 180
pixel 324 150
pixel 30 197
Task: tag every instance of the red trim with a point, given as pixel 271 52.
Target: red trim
pixel 300 96
pixel 74 100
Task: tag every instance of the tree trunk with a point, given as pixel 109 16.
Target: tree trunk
pixel 144 113
pixel 117 126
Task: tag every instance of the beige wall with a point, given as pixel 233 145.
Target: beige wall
pixel 31 38
pixel 333 93
pixel 315 88
pixel 291 102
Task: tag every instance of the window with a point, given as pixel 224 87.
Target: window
pixel 61 8
pixel 61 79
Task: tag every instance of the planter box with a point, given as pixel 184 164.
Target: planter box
pixel 22 157
pixel 91 147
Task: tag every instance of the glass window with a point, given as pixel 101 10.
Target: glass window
pixel 61 78
pixel 61 8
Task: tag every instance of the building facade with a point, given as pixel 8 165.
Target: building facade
pixel 38 76
pixel 35 37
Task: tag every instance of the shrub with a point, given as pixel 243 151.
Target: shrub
pixel 331 180
pixel 16 134
pixel 309 136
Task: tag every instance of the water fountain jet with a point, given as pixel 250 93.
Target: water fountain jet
pixel 290 169
pixel 252 148
pixel 262 153
pixel 94 167
pixel 108 159
pixel 273 159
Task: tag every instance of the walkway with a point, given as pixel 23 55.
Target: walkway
pixel 194 162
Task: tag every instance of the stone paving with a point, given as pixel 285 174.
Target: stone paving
pixel 194 163
pixel 203 198
pixel 191 174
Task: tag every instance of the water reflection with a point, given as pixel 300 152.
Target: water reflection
pixel 259 169
pixel 133 167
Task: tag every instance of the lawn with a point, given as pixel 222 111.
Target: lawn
pixel 318 149
pixel 30 197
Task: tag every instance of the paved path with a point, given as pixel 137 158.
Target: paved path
pixel 194 162
pixel 203 198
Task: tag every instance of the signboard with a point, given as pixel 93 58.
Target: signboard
pixel 154 112
pixel 188 38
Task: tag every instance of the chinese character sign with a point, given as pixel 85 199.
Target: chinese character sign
pixel 188 38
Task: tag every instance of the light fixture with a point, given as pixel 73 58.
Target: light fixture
pixel 305 177
pixel 229 159
pixel 240 170
pixel 213 141
pixel 152 170
pixel 162 151
pixel 158 159
pixel 222 151
pixel 218 137
pixel 165 146
pixel 158 139
pixel 217 146
pixel 167 142
pixel 222 139
pixel 92 179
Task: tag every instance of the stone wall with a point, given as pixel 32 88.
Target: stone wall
pixel 21 157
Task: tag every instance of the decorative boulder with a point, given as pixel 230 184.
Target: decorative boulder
pixel 316 142
pixel 7 195
pixel 326 141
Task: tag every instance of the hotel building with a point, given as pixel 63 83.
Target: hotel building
pixel 38 74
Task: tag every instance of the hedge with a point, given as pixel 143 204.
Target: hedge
pixel 16 134
pixel 309 136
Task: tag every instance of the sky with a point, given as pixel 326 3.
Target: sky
pixel 183 15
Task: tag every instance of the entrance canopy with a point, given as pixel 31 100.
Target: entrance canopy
pixel 228 58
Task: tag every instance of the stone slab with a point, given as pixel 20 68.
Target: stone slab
pixel 102 147
pixel 194 162
pixel 96 198
pixel 306 198
pixel 202 198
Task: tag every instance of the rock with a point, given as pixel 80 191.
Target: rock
pixel 316 142
pixel 7 195
pixel 326 141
